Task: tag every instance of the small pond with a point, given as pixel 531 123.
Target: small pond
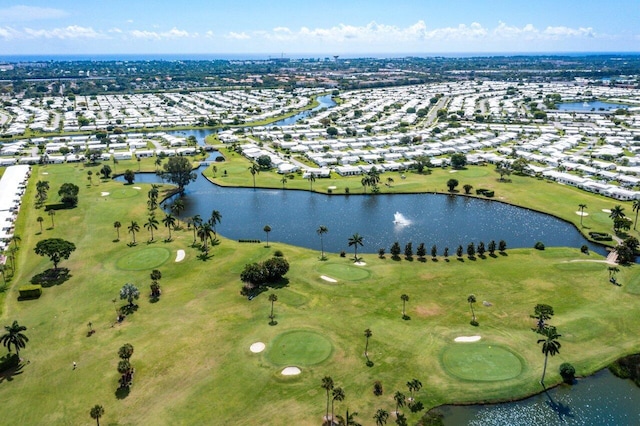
pixel 590 106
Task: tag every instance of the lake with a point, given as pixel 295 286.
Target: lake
pixel 590 106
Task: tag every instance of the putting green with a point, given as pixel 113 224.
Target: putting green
pixel 125 193
pixel 342 271
pixel 481 362
pixel 146 258
pixel 299 347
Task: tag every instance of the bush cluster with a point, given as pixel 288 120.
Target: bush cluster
pixel 256 275
pixel 30 291
pixel 600 236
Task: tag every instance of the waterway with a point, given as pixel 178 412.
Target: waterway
pixel 601 399
pixel 590 106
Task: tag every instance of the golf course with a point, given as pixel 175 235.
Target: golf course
pixel 194 356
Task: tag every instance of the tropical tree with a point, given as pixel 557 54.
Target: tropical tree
pixel 404 299
pixel 105 171
pixel 550 346
pixel 327 385
pixel 155 275
pixel 129 176
pixel 348 419
pixel 15 337
pixel 51 214
pixel 472 299
pixel 272 298
pixel 177 207
pixel 467 188
pixel 321 231
pixel 459 251
pixel 266 230
pixel 179 170
pixel 312 178
pixel 133 228
pixel 395 250
pixel 355 240
pixel 126 351
pixel 56 249
pixel 152 223
pixel 502 245
pixel 170 222
pixel 206 234
pixel 491 247
pixel 365 181
pixel 40 219
pixel 381 416
pixel 400 400
pixel 129 292
pixel 434 251
pixel 542 313
pixel 254 169
pixel 584 206
pixel 337 394
pixel 284 181
pixel 617 214
pixel 96 412
pixel 414 385
pixel 117 225
pixel 196 221
pixel 421 251
pixel 452 183
pixel 367 335
pixel 214 219
pixel 636 208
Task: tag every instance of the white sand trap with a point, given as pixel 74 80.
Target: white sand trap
pixel 606 210
pixel 332 187
pixel 329 279
pixel 453 171
pixel 360 263
pixel 582 214
pixel 45 173
pixel 180 256
pixel 291 371
pixel 104 194
pixel 137 187
pixel 467 339
pixel 257 347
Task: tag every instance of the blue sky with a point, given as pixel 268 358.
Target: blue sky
pixel 321 27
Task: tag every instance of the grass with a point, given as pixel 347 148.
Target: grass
pixel 192 358
pixel 481 362
pixel 342 271
pixel 299 348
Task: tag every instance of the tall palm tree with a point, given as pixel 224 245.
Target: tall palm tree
pixel 133 228
pixel 389 181
pixel 414 385
pixel 312 178
pixel 582 207
pixel 365 181
pixel 14 337
pixel 96 412
pixel 272 298
pixel 550 346
pixel 327 385
pixel 348 420
pixel 196 221
pixel 15 238
pixel 337 395
pixel 355 240
pixel 367 335
pixel 205 233
pixel 40 219
pixel 617 212
pixel 266 230
pixel 405 299
pixel 51 214
pixel 321 231
pixel 636 208
pixel 177 207
pixel 117 225
pixel 152 223
pixel 254 169
pixel 381 416
pixel 215 218
pixel 284 181
pixel 472 299
pixel 400 400
pixel 170 222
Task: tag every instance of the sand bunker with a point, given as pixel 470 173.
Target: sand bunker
pixel 329 279
pixel 257 347
pixel 104 194
pixel 291 371
pixel 467 339
pixel 137 187
pixel 582 214
pixel 180 256
pixel 360 263
pixel 606 210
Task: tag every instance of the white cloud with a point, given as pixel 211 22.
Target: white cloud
pixel 8 33
pixel 70 32
pixel 237 36
pixel 22 13
pixel 173 33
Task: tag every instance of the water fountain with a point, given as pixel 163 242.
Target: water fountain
pixel 400 220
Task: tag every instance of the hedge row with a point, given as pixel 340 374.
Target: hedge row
pixel 30 291
pixel 249 241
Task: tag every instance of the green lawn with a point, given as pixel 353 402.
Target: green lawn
pixel 192 358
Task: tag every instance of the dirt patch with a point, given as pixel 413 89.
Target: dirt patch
pixel 428 311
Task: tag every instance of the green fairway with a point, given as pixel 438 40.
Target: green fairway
pixel 140 259
pixel 342 271
pixel 299 347
pixel 125 192
pixel 481 362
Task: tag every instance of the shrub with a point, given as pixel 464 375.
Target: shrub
pixel 474 323
pixel 568 372
pixel 30 291
pixel 488 194
pixel 377 388
pixel 584 249
pixel 539 245
pixel 343 254
pixel 278 253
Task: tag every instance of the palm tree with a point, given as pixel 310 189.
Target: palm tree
pixel 96 412
pixel 51 214
pixel 327 385
pixel 550 346
pixel 205 233
pixel 584 206
pixel 272 298
pixel 365 181
pixel 215 218
pixel 129 292
pixel 15 238
pixel 617 212
pixel 472 299
pixel 400 400
pixel 40 219
pixel 3 271
pixel 636 208
pixel 254 169
pixel 157 162
pixel 381 416
pixel 196 221
pixel 14 337
pixel 117 225
pixel 355 240
pixel 405 299
pixel 414 385
pixel 267 229
pixel 170 222
pixel 321 231
pixel 389 181
pixel 133 228
pixel 312 178
pixel 367 334
pixel 284 181
pixel 177 207
pixel 152 223
pixel 337 395
pixel 348 420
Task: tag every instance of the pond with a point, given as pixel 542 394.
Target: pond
pixel 601 399
pixel 590 106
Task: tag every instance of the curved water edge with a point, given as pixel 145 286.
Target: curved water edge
pixel 600 399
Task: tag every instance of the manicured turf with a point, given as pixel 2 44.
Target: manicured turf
pixel 299 348
pixel 126 192
pixel 140 259
pixel 482 362
pixel 342 271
